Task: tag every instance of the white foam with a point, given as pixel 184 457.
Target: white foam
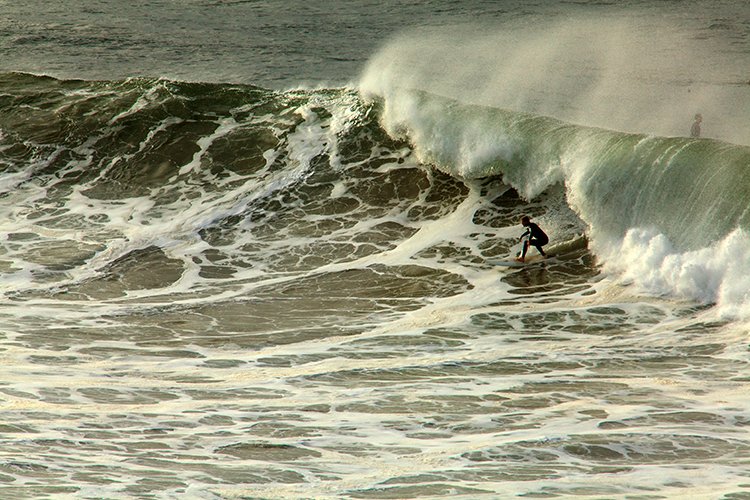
pixel 717 274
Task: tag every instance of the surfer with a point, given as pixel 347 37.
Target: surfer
pixel 533 236
pixel 695 130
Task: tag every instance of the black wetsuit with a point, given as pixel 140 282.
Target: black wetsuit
pixel 537 238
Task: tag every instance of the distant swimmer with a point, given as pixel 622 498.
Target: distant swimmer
pixel 695 130
pixel 536 237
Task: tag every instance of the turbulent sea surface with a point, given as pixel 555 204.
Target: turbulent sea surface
pixel 249 250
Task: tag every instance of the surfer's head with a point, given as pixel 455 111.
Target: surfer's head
pixel 525 220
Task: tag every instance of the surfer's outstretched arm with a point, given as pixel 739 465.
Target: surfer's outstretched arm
pixel 524 250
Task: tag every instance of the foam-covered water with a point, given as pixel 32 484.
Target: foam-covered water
pixel 220 290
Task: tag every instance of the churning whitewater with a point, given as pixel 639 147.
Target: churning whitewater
pixel 221 290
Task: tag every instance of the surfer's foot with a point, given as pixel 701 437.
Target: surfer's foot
pixel 519 259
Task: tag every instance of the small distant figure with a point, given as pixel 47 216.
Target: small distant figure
pixel 695 130
pixel 536 237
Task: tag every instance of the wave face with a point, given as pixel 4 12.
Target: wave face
pixel 667 213
pixel 147 161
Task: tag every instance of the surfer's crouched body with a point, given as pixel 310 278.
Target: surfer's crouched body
pixel 536 237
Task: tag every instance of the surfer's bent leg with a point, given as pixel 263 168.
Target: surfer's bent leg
pixel 539 243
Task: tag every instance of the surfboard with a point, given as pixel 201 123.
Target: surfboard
pixel 530 259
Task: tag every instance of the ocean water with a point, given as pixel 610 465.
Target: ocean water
pixel 249 250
